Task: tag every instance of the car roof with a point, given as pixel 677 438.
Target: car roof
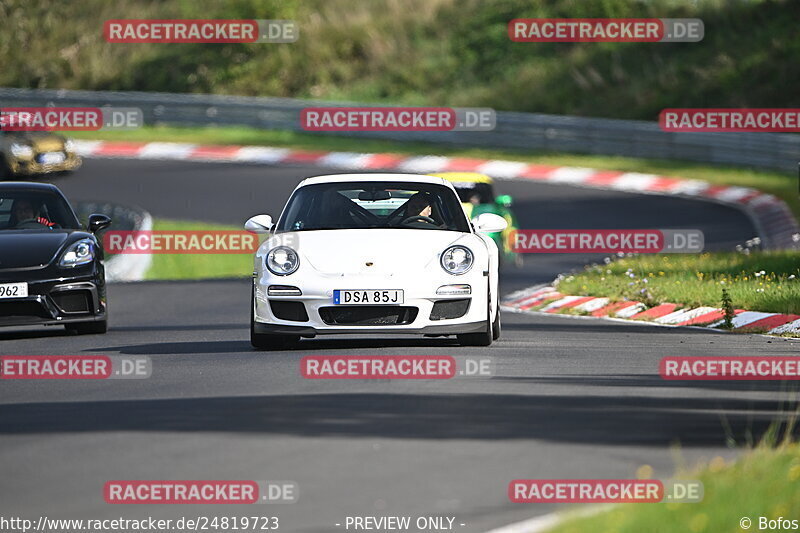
pixel 344 178
pixel 28 186
pixel 464 177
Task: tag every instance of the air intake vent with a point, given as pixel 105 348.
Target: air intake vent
pixel 447 309
pixel 73 301
pixel 294 311
pixel 368 315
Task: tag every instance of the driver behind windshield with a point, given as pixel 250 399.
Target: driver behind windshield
pixel 418 212
pixel 418 205
pixel 24 211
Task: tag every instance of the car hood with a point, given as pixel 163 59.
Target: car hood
pixel 372 251
pixel 21 249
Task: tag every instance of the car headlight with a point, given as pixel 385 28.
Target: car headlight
pixel 78 253
pixel 282 261
pixel 457 260
pixel 69 146
pixel 21 150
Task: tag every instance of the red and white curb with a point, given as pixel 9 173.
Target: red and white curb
pixel 774 221
pixel 546 299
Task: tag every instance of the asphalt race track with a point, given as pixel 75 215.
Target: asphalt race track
pixel 572 398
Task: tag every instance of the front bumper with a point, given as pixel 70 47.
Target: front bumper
pixel 423 312
pixel 55 300
pixel 310 331
pixel 29 167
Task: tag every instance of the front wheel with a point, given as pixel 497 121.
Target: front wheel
pixel 484 338
pixel 5 170
pixel 265 341
pixel 496 325
pixel 262 341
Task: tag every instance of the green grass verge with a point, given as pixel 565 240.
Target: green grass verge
pixel 697 280
pixel 197 266
pixel 781 185
pixel 763 483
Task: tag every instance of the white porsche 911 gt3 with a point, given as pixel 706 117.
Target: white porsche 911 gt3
pixel 375 253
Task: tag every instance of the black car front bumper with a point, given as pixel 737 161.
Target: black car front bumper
pixel 80 297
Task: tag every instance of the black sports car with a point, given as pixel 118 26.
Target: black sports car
pixel 51 269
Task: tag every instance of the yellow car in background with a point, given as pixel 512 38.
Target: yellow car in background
pixel 476 192
pixel 25 153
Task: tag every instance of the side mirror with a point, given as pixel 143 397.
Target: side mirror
pixel 489 223
pixel 98 222
pixel 259 224
pixel 504 200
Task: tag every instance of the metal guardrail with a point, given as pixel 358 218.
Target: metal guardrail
pixel 529 131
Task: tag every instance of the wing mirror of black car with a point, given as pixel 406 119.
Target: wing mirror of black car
pixel 98 222
pixel 374 196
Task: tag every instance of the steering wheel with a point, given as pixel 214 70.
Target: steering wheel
pixel 31 223
pixel 423 218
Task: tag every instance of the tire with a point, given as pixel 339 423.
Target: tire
pixel 88 328
pixel 484 338
pixel 496 327
pixel 5 171
pixel 263 341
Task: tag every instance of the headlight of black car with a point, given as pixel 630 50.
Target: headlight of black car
pixel 77 254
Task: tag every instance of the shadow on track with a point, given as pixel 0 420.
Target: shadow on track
pixel 59 331
pixel 346 344
pixel 623 421
pixel 788 388
pixel 54 331
pixel 574 325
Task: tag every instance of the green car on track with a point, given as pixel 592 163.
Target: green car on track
pixel 476 193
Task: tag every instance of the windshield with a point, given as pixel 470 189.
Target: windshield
pixel 362 205
pixel 35 210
